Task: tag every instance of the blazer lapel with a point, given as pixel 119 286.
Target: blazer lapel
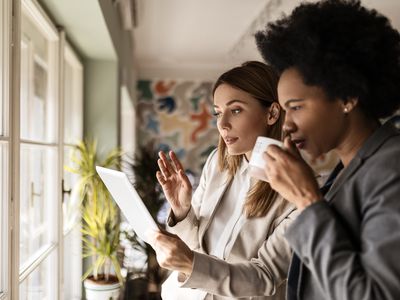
pixel 218 192
pixel 347 173
pixel 371 145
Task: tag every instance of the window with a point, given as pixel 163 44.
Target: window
pixel 5 19
pixel 47 246
pixel 73 97
pixel 40 283
pixel 73 131
pixel 39 176
pixel 3 217
pixel 37 206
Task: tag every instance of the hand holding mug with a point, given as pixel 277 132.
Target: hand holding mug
pixel 290 175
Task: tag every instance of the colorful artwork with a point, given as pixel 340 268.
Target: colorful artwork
pixel 177 115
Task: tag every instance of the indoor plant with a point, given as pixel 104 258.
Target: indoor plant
pixel 100 222
pixel 142 168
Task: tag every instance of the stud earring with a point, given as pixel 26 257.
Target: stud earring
pixel 346 110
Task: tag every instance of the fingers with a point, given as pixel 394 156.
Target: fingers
pixel 173 253
pixel 163 169
pixel 165 240
pixel 164 164
pixel 269 168
pixel 175 160
pixel 160 178
pixel 276 153
pixel 291 147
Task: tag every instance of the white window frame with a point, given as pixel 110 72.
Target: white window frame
pixel 32 10
pixel 5 237
pixel 10 35
pixel 73 230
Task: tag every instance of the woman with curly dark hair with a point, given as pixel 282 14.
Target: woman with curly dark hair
pixel 340 74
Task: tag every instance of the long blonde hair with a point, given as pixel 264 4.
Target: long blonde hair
pixel 260 81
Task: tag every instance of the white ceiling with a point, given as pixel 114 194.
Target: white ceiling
pixel 192 39
pixel 200 39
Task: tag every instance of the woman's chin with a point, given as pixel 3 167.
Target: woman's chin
pixel 235 152
pixel 310 155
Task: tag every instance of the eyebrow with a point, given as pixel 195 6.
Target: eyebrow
pixel 292 101
pixel 232 102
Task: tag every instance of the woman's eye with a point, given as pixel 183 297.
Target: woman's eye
pixel 217 114
pixel 236 111
pixel 297 107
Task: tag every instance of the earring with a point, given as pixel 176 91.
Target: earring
pixel 346 110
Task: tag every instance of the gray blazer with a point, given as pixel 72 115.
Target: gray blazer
pixel 349 245
pixel 258 262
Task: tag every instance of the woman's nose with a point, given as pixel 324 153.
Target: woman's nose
pixel 288 126
pixel 223 122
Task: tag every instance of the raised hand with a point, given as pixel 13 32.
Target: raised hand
pixel 175 184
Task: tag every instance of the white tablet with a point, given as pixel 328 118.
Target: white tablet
pixel 128 201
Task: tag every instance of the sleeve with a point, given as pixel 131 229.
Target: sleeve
pixel 187 229
pixel 354 267
pixel 261 276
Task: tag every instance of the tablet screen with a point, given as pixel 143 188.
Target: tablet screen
pixel 128 201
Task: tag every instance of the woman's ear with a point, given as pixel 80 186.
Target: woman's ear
pixel 349 104
pixel 274 111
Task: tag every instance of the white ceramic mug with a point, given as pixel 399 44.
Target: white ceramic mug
pixel 257 162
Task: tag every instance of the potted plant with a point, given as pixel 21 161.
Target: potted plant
pixel 100 222
pixel 142 168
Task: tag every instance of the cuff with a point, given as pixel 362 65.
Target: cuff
pixel 201 271
pixel 189 220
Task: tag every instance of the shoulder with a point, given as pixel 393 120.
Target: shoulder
pixel 283 211
pixel 379 179
pixel 386 160
pixel 211 165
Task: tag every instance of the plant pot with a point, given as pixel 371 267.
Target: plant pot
pixel 101 289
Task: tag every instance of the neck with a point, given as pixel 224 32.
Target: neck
pixel 247 156
pixel 359 130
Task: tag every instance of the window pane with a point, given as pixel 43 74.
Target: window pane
pixel 38 109
pixel 71 211
pixel 73 265
pixel 3 215
pixel 42 282
pixel 38 200
pixel 73 83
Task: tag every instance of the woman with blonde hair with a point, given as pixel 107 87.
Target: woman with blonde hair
pixel 228 240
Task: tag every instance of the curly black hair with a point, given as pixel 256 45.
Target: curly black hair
pixel 342 47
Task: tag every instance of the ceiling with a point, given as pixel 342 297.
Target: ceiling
pixel 84 24
pixel 201 39
pixel 195 39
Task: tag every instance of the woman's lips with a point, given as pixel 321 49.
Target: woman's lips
pixel 230 140
pixel 300 144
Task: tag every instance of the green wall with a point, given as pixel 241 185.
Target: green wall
pixel 101 103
